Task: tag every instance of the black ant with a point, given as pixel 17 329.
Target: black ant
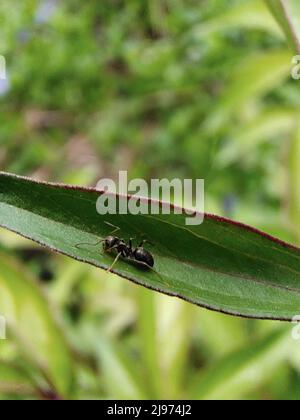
pixel 127 251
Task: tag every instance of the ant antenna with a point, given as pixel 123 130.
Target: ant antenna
pixel 116 228
pixel 85 243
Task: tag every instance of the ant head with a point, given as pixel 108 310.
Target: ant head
pixel 110 242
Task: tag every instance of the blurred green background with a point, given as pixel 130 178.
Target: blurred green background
pixel 161 88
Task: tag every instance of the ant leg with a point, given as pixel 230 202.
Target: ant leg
pixel 115 262
pixel 131 243
pixel 112 248
pixel 144 241
pixel 85 243
pixel 116 228
pixel 108 250
pixel 160 277
pixel 154 271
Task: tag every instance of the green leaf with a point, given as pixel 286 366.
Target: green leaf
pixel 242 371
pixel 161 321
pixel 253 78
pixel 148 341
pixel 221 265
pixel 229 333
pixel 248 15
pixel 287 14
pixel 119 373
pixel 174 325
pixel 245 139
pixel 13 381
pixel 294 178
pixel 29 319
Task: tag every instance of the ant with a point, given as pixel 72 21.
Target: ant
pixel 127 251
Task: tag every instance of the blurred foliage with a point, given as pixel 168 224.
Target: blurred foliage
pixel 161 88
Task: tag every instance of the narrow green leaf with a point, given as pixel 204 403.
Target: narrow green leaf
pixel 287 14
pixel 174 325
pixel 294 178
pixel 249 15
pixel 253 78
pixel 229 333
pixel 265 127
pixel 121 378
pixel 14 381
pixel 221 265
pixel 240 373
pixel 28 317
pixel 148 341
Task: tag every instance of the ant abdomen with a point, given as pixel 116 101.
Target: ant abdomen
pixel 143 256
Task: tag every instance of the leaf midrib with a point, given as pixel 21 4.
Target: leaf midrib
pixel 226 248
